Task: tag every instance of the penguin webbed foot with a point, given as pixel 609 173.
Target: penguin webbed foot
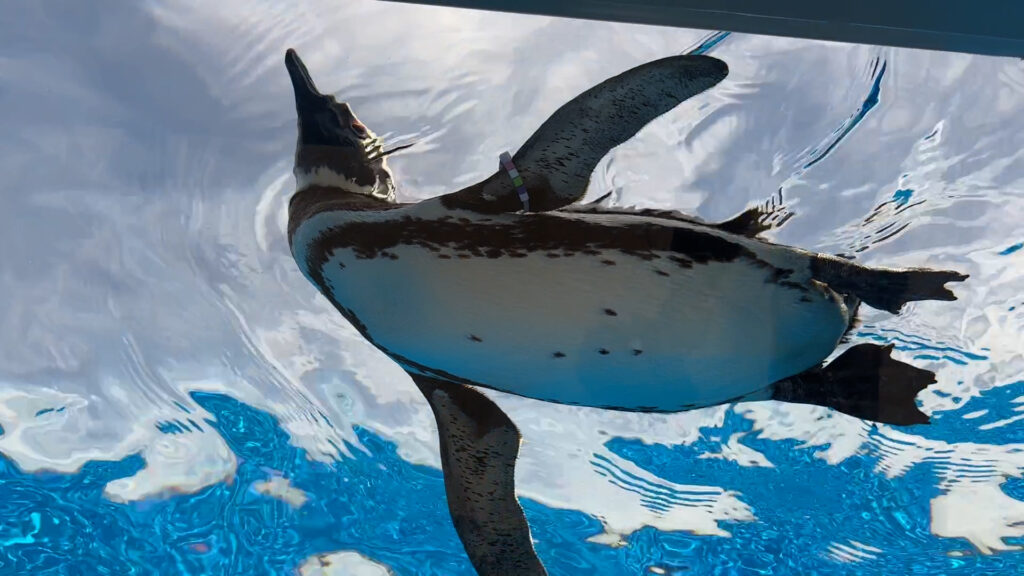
pixel 864 382
pixel 882 288
pixel 749 223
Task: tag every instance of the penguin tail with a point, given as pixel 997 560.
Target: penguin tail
pixel 864 382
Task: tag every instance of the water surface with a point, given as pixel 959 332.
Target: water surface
pixel 176 399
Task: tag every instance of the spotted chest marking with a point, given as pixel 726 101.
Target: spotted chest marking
pixel 458 236
pixel 453 236
pixel 552 235
pixel 480 300
pixel 542 328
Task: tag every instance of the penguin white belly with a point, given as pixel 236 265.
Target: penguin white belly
pixel 635 334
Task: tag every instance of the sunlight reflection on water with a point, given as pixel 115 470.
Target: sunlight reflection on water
pixel 158 339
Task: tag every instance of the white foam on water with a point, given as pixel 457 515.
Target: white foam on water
pixel 344 563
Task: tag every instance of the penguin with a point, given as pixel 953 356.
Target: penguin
pixel 511 284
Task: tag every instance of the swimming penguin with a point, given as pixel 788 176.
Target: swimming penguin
pixel 510 284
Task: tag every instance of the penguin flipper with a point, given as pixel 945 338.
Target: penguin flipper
pixel 479 447
pixel 556 162
pixel 864 382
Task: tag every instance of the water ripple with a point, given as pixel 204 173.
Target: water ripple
pixel 820 152
pixel 173 392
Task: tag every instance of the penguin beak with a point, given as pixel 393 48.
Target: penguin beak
pixel 302 84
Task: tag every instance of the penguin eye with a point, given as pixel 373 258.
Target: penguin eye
pixel 359 129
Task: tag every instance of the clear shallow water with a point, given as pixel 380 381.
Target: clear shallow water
pixel 164 366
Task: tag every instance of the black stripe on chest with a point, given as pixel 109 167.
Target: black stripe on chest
pixel 315 200
pixel 452 237
pixel 535 233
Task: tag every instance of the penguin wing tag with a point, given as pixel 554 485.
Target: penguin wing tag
pixel 556 162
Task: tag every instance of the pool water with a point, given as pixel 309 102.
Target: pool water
pixel 175 398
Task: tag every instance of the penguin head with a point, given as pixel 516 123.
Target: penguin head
pixel 334 149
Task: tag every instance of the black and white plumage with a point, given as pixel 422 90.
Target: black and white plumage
pixel 614 308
